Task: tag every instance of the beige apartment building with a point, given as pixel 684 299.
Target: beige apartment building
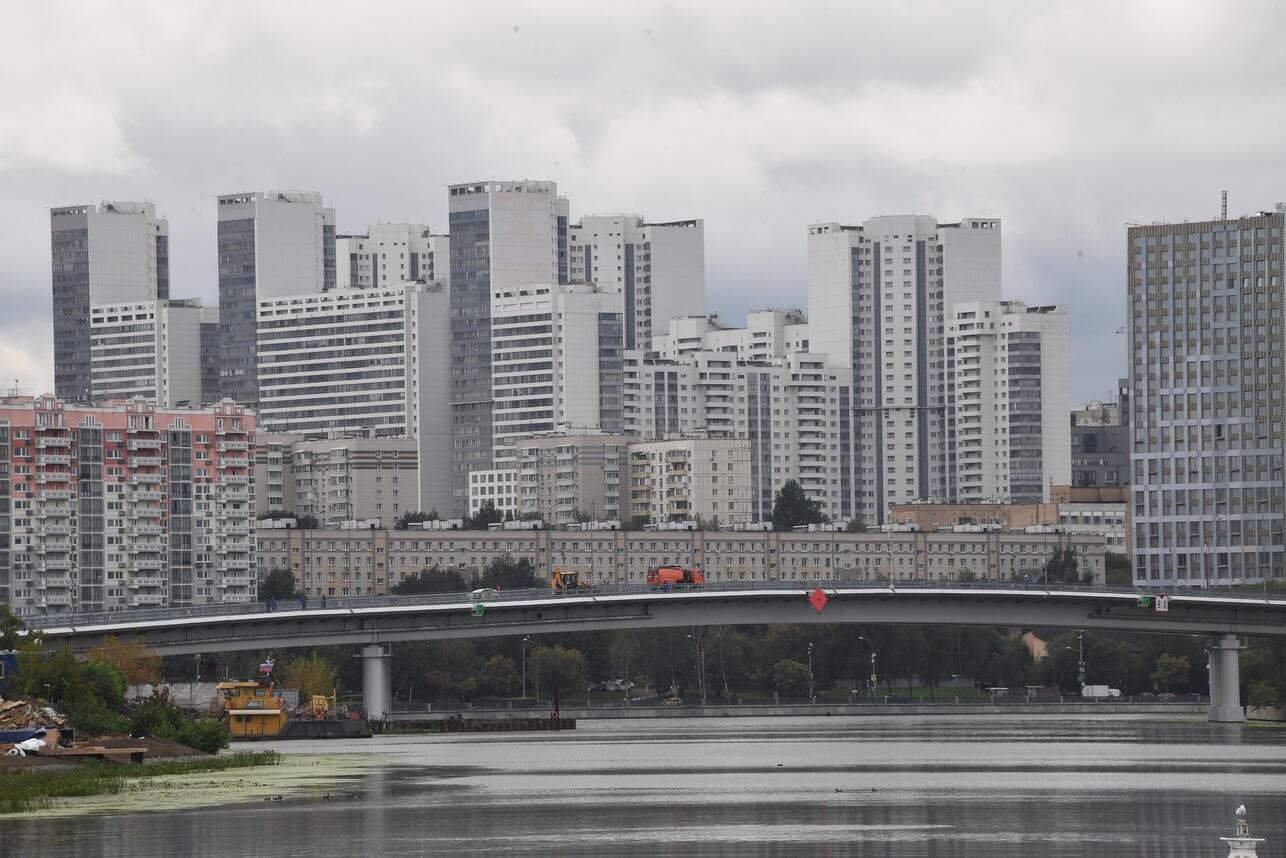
pixel 339 563
pixel 691 477
pixel 563 477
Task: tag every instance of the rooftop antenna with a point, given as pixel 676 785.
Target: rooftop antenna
pixel 1223 210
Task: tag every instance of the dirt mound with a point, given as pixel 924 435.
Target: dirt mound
pixel 157 748
pixel 23 764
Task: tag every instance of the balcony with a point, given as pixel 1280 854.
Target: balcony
pixel 230 566
pixel 54 564
pixel 234 479
pixel 142 494
pixel 146 600
pixel 145 530
pixel 144 444
pixel 144 512
pixel 148 564
pixel 234 495
pixel 53 459
pixel 53 477
pixel 54 511
pixel 55 582
pixel 139 547
pixel 145 479
pixel 229 446
pixel 46 530
pixel 148 582
pixel 233 462
pixel 54 494
pixel 50 441
pixel 53 546
pixel 146 461
pixel 235 529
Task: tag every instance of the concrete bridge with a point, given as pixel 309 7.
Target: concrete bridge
pixel 374 622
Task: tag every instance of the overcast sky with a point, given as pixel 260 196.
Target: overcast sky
pixel 1067 121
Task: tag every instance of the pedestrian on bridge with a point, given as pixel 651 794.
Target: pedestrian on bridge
pixel 323 601
pixel 303 601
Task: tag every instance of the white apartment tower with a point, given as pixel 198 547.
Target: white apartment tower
pixel 159 350
pixel 270 245
pixel 555 363
pixel 1206 401
pixel 1007 391
pixel 390 253
pixel 503 234
pixel 879 296
pixel 109 253
pixel 659 268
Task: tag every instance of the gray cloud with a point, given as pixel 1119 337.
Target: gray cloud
pixel 1066 121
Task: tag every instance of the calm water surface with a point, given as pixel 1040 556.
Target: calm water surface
pixel 961 786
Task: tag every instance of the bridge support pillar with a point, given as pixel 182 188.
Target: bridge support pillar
pixel 377 683
pixel 1225 680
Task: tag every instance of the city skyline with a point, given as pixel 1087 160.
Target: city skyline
pixel 1037 136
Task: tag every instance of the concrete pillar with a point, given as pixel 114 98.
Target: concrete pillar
pixel 1225 680
pixel 376 684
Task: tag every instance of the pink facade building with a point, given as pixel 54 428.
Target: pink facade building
pixel 124 505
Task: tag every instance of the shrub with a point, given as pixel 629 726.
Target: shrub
pixel 204 734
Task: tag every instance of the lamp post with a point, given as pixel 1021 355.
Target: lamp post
pixel 871 643
pixel 812 694
pixel 523 647
pixel 701 664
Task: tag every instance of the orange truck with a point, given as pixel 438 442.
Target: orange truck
pixel 674 576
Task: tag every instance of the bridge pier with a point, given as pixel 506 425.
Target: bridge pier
pixel 1225 680
pixel 377 682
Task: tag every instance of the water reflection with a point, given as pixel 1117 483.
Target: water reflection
pixel 935 788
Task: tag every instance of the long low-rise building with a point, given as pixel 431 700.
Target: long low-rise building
pixel 371 562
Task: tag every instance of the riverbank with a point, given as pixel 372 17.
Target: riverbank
pixel 805 710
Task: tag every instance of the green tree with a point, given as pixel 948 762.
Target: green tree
pixel 430 581
pixel 711 523
pixel 310 674
pixel 507 573
pixel 1063 568
pixel 14 635
pixel 406 519
pixel 792 508
pixel 499 677
pixel 790 678
pixel 1171 673
pixel 635 522
pixel 559 668
pixel 90 692
pixel 855 526
pixel 1264 693
pixel 278 584
pixel 1116 570
pixel 302 522
pixel 487 515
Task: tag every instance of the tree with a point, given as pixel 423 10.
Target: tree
pixel 1116 570
pixel 430 581
pixel 132 659
pixel 855 526
pixel 302 522
pixel 791 508
pixel 311 674
pixel 406 519
pixel 278 584
pixel 498 677
pixel 711 523
pixel 14 634
pixel 1063 568
pixel 790 678
pixel 486 516
pixel 506 573
pixel 1171 673
pixel 560 669
pixel 88 692
pixel 1264 693
pixel 635 522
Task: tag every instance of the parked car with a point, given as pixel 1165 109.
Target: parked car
pixel 1146 697
pixel 1167 697
pixel 482 594
pixel 673 701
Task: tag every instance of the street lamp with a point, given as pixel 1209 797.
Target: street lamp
pixel 523 647
pixel 812 694
pixel 701 665
pixel 871 643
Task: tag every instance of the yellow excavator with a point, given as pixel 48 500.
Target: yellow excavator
pixel 566 579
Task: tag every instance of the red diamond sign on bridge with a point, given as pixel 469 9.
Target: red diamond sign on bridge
pixel 819 599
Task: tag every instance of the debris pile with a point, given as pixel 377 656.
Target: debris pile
pixel 23 715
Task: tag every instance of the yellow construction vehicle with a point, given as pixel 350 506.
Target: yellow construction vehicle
pixel 566 579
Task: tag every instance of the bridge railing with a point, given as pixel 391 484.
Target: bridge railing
pixel 802 586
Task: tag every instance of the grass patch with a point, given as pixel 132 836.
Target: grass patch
pixel 25 791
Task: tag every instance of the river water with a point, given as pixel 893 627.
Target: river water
pixel 898 786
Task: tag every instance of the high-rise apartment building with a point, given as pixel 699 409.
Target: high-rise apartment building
pixel 109 253
pixel 555 363
pixel 659 268
pixel 767 334
pixel 683 479
pixel 165 351
pixel 793 411
pixel 271 245
pixel 879 296
pixel 502 235
pixel 1206 396
pixel 569 478
pixel 124 504
pixel 1007 391
pixel 1101 442
pixel 390 253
